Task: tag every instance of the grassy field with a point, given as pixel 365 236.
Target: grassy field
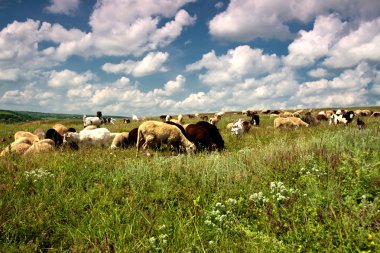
pixel 310 189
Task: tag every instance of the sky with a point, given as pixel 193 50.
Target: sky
pixel 154 57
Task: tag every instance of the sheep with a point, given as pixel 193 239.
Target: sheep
pixel 321 117
pixel 43 146
pixel 344 118
pixel 40 133
pixel 200 137
pixel 88 121
pixel 309 119
pixel 120 140
pixel 17 148
pixel 55 136
pixel 155 132
pixel 91 127
pixel 97 137
pixel 214 133
pixel 241 127
pixel 215 119
pixel 290 121
pixel 255 120
pixel 375 114
pixel 61 129
pixel 180 119
pixel 134 117
pixel 360 124
pixel 32 137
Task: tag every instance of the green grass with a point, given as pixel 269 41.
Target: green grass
pixel 273 190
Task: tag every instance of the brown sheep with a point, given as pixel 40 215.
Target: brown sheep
pixel 43 146
pixel 120 140
pixel 290 121
pixel 40 133
pixel 32 137
pixel 156 132
pixel 61 129
pixel 17 148
pixel 90 127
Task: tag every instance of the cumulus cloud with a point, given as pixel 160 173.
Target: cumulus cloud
pixel 318 73
pixel 358 45
pixel 122 27
pixel 314 44
pixel 171 87
pixel 348 89
pixel 67 7
pixel 67 78
pixel 236 64
pixel 150 64
pixel 246 20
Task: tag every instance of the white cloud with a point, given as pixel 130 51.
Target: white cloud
pixel 152 63
pixel 122 27
pixel 235 65
pixel 66 78
pixel 9 74
pixel 171 87
pixel 360 44
pixel 245 20
pixel 312 45
pixel 67 7
pixel 318 73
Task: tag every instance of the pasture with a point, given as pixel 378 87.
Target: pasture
pixel 312 189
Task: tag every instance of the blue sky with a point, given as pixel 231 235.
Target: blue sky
pixel 145 57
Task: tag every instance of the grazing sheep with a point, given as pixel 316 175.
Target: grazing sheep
pixel 241 127
pixel 97 137
pixel 329 113
pixel 156 132
pixel 43 146
pixel 309 119
pixel 88 121
pixel 344 118
pixel 255 120
pixel 200 137
pixel 215 119
pixel 61 129
pixel 134 117
pixel 32 137
pixel 180 119
pixel 127 121
pixel 322 117
pixel 290 121
pixel 360 124
pixel 214 133
pixel 120 140
pixel 375 114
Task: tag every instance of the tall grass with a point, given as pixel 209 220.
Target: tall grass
pixel 272 190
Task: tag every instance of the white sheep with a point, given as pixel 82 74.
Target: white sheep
pixel 88 121
pixel 96 137
pixel 156 132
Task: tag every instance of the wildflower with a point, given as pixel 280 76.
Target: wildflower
pixel 370 237
pixel 161 227
pixel 2 139
pixel 210 243
pixel 232 201
pixel 152 240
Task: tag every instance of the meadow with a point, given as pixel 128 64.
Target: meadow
pixel 310 189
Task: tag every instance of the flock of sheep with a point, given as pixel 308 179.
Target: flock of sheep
pixel 204 135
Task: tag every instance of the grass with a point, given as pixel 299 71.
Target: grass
pixel 273 190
